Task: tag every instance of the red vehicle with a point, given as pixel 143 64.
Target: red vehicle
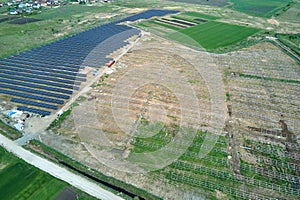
pixel 111 63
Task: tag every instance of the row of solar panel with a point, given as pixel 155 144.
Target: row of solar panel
pixel 30 96
pixel 26 84
pixel 49 56
pixel 33 103
pixel 69 65
pixel 48 70
pixel 98 34
pixel 32 80
pixel 33 91
pixel 43 67
pixel 34 110
pixel 39 77
pixel 17 69
pixel 37 63
pixel 47 61
pixel 148 14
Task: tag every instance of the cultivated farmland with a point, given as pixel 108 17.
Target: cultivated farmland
pixel 259 8
pixel 213 35
pixel 204 32
pixel 220 3
pixel 200 15
pixel 20 180
pixel 291 15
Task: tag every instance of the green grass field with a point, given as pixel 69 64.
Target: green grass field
pixel 69 11
pixel 219 3
pixel 201 15
pixel 213 35
pixel 292 14
pixel 20 180
pixel 265 8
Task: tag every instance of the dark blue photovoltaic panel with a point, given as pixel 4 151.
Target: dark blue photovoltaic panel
pixel 29 90
pixel 33 103
pixel 37 81
pixel 52 70
pixel 25 70
pixel 37 77
pixel 148 14
pixel 30 96
pixel 36 67
pixel 35 86
pixel 34 110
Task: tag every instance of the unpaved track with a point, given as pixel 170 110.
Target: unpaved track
pixel 57 171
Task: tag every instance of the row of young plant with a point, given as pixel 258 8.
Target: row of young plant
pixel 227 177
pixel 270 173
pixel 206 183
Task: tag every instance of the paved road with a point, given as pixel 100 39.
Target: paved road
pixel 57 171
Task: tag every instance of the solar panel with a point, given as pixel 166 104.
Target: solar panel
pixel 30 96
pixel 33 103
pixel 29 90
pixel 74 77
pixel 37 76
pixel 34 110
pixel 35 86
pixel 37 81
pixel 52 70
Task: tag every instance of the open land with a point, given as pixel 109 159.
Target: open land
pixel 202 105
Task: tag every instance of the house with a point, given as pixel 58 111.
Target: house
pixel 28 10
pixel 36 6
pixel 22 6
pixel 13 12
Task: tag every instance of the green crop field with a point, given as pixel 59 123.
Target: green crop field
pixel 200 15
pixel 292 14
pixel 69 11
pixel 20 180
pixel 213 35
pixel 220 3
pixel 258 7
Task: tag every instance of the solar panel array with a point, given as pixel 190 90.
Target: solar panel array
pixel 46 76
pixel 148 14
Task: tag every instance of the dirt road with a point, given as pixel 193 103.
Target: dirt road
pixel 57 171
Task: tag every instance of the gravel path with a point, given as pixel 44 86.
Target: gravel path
pixel 57 171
